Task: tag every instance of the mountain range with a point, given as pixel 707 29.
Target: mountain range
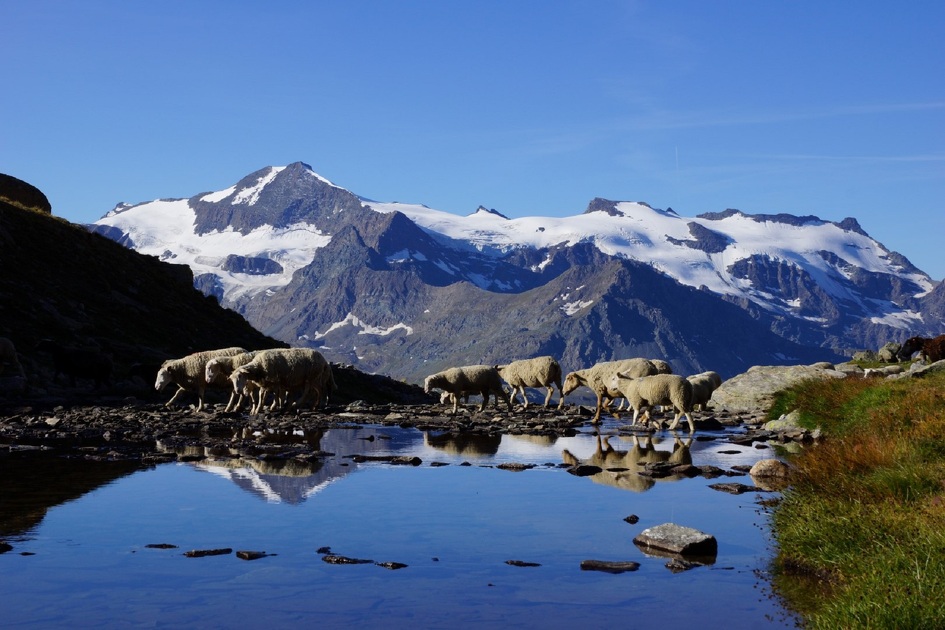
pixel 405 290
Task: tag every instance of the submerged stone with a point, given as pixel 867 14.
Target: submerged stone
pixel 609 566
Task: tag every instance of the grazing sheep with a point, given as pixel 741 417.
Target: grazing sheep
pixel 599 379
pixel 931 350
pixel 8 357
pixel 537 372
pixel 703 385
pixel 87 363
pixel 482 379
pixel 218 372
pixel 283 371
pixel 189 373
pixel 658 389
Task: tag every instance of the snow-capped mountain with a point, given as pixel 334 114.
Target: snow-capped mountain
pixel 309 262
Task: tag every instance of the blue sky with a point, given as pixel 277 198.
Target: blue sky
pixel 834 109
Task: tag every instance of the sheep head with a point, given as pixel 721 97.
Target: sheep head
pixel 163 378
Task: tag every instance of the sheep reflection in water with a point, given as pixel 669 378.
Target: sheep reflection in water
pixel 464 444
pixel 621 468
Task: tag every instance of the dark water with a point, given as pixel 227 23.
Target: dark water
pixel 80 532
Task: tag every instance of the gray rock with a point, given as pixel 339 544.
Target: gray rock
pixel 787 422
pixel 755 389
pixel 867 356
pixel 924 370
pixel 888 353
pixel 677 539
pixel 770 468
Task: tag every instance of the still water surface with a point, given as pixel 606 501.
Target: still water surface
pixel 80 533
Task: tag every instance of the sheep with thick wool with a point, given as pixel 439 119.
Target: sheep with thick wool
pixel 662 367
pixel 482 379
pixel 285 371
pixel 703 384
pixel 658 389
pixel 537 372
pixel 600 379
pixel 218 372
pixel 189 373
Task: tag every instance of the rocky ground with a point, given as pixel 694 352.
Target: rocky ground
pixel 133 429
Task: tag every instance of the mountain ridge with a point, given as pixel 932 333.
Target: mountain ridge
pixel 309 262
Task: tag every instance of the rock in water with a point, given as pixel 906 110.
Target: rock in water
pixel 678 539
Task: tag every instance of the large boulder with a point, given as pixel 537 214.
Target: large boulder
pixel 755 389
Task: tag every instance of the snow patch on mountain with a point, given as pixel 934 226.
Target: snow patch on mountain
pixel 165 229
pixel 365 328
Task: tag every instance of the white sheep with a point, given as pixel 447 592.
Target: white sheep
pixel 189 373
pixel 283 371
pixel 218 372
pixel 538 372
pixel 658 389
pixel 662 367
pixel 482 379
pixel 703 384
pixel 599 379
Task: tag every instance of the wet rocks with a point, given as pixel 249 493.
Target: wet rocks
pixel 251 555
pixel 202 553
pixel 333 559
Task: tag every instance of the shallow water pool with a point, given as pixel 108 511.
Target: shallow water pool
pixel 81 531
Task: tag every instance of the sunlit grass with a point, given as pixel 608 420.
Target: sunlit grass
pixel 862 530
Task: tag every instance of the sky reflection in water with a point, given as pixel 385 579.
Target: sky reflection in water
pixel 454 526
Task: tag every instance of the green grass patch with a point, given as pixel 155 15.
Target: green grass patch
pixel 861 532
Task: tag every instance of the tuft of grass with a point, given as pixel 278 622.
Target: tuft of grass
pixel 860 533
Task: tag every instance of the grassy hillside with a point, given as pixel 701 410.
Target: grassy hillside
pixel 860 533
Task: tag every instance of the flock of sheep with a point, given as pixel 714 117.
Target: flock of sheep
pixel 295 376
pixel 643 383
pixel 251 376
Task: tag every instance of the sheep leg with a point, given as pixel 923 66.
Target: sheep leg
pixel 255 409
pixel 508 401
pixel 179 391
pixel 485 399
pixel 200 392
pixel 229 403
pixel 524 397
pixel 600 405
